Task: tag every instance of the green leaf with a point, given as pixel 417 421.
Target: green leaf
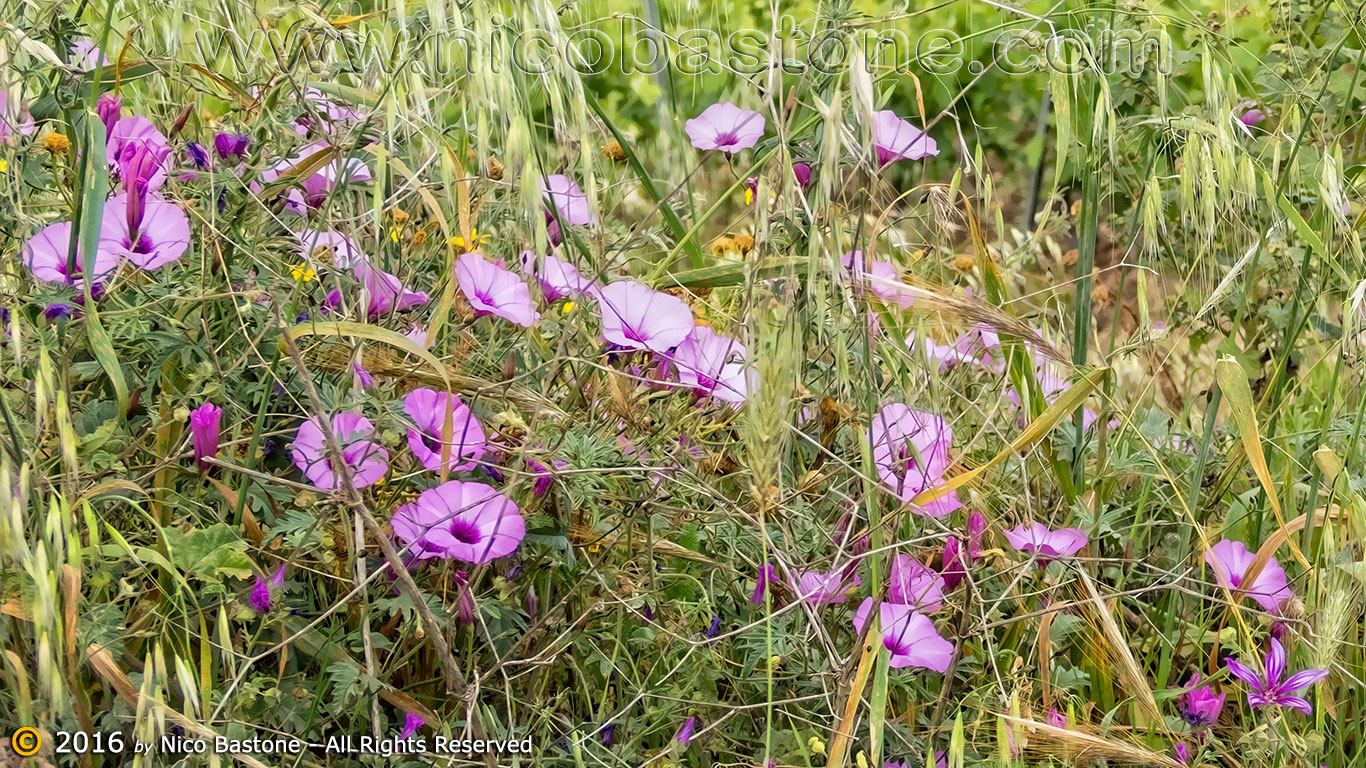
pixel 210 553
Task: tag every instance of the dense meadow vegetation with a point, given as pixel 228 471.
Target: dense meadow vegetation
pixel 682 384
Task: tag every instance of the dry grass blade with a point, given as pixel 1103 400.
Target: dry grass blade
pixel 1129 671
pixel 933 298
pixel 1084 748
pixel 1234 384
pixel 381 362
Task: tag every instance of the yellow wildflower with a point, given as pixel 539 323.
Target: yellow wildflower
pixel 475 238
pixel 568 307
pixel 302 273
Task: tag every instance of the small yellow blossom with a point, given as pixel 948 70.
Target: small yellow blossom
pixel 568 307
pixel 749 196
pixel 302 273
pixel 595 547
pixel 56 143
pixel 475 238
pixel 816 745
pixel 395 233
pixel 4 166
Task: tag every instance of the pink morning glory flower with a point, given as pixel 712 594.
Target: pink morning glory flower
pixel 45 254
pixel 384 292
pixel 912 639
pixel 109 108
pixel 911 451
pixel 725 127
pixel 820 588
pixel 713 365
pixel 636 317
pixel 365 459
pixel 204 424
pixel 145 228
pixel 558 278
pixel 428 409
pixel 1268 689
pixel 462 521
pixel 915 585
pixel 492 290
pixel 133 141
pixel 895 139
pixel 1230 561
pixel 1047 544
pixel 571 203
pixel 330 248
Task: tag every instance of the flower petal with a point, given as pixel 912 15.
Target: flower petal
pixel 1302 680
pixel 1244 673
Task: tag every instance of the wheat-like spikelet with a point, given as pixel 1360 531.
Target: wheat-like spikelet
pixel 1082 748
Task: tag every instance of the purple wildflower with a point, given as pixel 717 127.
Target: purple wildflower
pixel 109 108
pixel 1047 544
pixel 953 569
pixel 912 639
pixel 911 451
pixel 725 127
pixel 713 365
pixel 820 588
pixel 1268 689
pixel 58 311
pixel 766 574
pixel 895 139
pixel 714 628
pixel 198 156
pixel 411 722
pixel 1231 560
pixel 569 201
pixel 558 278
pixel 204 424
pixel 429 410
pixel 144 228
pixel 460 520
pixel 45 254
pixel 365 458
pixel 636 317
pixel 684 735
pixel 262 591
pixel 384 292
pixel 1201 707
pixel 492 290
pixel 231 146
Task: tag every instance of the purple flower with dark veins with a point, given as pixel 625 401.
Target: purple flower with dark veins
pixel 1268 689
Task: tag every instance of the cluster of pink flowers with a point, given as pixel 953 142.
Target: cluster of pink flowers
pixel 139 225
